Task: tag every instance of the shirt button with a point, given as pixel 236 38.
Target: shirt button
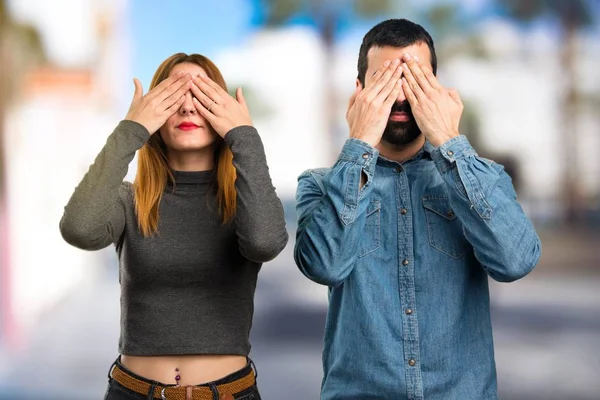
pixel 450 214
pixel 403 211
pixel 405 262
pixel 408 311
pixel 398 169
pixel 365 156
pixel 450 153
pixel 412 362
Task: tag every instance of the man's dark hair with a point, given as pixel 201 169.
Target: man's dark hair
pixel 393 33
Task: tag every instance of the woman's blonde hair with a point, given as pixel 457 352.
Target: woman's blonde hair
pixel 153 170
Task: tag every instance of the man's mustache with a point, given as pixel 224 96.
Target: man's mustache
pixel 403 106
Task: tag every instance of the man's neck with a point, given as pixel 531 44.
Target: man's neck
pixel 401 153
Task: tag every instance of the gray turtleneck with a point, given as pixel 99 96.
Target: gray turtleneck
pixel 188 289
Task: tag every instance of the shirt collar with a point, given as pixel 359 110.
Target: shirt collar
pixel 425 152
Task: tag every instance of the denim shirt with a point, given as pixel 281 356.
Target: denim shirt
pixel 407 259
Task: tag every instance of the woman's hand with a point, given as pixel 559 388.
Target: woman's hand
pixel 222 111
pixel 154 108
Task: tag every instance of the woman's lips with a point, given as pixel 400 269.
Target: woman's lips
pixel 187 126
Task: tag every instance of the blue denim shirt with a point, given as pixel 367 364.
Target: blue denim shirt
pixel 407 259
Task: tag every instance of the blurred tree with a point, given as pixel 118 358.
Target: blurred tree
pixel 20 48
pixel 327 16
pixel 442 20
pixel 257 107
pixel 571 16
pixel 454 39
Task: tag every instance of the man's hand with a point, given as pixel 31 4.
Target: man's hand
pixel 437 110
pixel 369 108
pixel 154 108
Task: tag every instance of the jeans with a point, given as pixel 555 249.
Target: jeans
pixel 116 391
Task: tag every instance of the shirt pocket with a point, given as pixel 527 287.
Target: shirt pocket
pixel 443 228
pixel 371 238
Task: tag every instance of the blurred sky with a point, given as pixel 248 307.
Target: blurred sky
pixel 198 20
pixel 156 35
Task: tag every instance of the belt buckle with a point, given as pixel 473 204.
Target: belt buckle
pixel 163 394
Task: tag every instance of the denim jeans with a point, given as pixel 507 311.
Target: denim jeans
pixel 116 391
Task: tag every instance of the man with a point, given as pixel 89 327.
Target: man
pixel 405 229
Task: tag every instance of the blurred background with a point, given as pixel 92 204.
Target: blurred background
pixel 528 72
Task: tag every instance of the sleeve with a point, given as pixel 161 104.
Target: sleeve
pixel 481 193
pixel 94 217
pixel 332 214
pixel 260 220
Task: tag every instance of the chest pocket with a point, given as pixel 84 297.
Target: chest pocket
pixel 444 229
pixel 371 238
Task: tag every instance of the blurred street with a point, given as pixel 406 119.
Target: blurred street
pixel 546 329
pixel 527 73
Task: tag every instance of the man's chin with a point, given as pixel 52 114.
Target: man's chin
pixel 400 140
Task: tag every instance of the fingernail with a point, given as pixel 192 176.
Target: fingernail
pixel 202 75
pixel 405 66
pixel 396 61
pixel 387 63
pixel 416 58
pixel 406 56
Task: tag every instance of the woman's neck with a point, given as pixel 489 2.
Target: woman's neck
pixel 198 160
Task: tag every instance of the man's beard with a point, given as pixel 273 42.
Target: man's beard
pixel 401 133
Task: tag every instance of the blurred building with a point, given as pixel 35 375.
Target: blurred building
pixel 61 117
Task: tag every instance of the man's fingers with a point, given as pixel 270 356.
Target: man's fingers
pixel 390 85
pixel 428 72
pixel 416 71
pixel 384 67
pixel 380 83
pixel 455 96
pixel 412 82
pixel 393 95
pixel 353 97
pixel 408 92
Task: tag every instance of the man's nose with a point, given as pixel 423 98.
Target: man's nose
pixel 401 96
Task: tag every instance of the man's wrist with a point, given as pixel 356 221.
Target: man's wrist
pixel 370 140
pixel 439 140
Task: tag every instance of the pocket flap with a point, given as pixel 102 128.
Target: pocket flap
pixel 440 206
pixel 374 205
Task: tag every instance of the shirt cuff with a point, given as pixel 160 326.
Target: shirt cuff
pixel 457 148
pixel 361 153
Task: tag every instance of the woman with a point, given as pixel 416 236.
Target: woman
pixel 191 234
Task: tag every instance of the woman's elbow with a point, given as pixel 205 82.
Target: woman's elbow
pixel 265 248
pixel 77 236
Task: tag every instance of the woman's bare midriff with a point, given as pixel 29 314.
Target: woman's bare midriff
pixel 192 370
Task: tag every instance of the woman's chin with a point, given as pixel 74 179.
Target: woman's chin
pixel 194 145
